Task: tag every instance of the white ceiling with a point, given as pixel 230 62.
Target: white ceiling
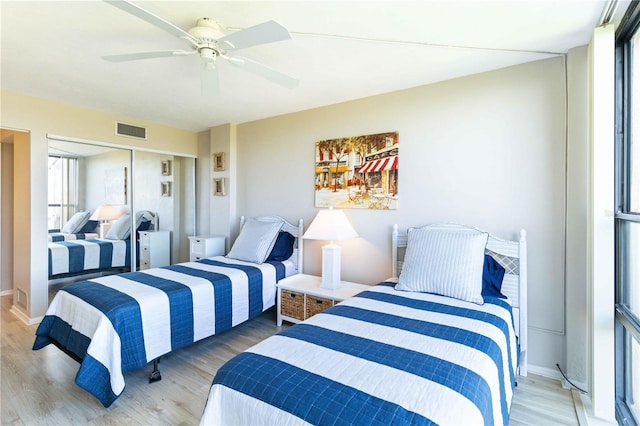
pixel 53 49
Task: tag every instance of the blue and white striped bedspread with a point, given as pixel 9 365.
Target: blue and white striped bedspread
pixel 119 323
pixel 59 236
pixel 383 357
pixel 80 256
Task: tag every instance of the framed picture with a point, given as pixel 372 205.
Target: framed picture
pixel 218 186
pixel 218 162
pixel 357 172
pixel 166 168
pixel 165 189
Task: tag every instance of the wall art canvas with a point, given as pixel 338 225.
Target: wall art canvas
pixel 115 186
pixel 358 172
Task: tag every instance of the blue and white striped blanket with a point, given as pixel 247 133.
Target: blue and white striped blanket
pixel 60 236
pixel 383 357
pixel 119 323
pixel 80 256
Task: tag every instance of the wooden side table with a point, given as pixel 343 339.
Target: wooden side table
pixel 300 297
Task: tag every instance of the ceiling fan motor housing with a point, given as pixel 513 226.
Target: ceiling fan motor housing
pixel 207 30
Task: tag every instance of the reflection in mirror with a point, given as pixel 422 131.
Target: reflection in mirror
pixel 163 184
pixel 107 183
pixel 88 194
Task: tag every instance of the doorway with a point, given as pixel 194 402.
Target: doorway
pixel 6 213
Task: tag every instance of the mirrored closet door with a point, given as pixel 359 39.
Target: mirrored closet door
pixel 109 183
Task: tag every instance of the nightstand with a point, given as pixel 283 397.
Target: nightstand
pixel 154 249
pixel 300 297
pixel 203 246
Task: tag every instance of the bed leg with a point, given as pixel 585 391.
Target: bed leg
pixel 155 374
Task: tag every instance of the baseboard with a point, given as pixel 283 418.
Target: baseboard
pixel 555 374
pixel 545 372
pixel 23 317
pixel 581 409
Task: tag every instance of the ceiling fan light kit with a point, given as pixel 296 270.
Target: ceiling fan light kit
pixel 208 40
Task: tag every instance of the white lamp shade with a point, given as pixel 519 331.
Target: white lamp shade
pixel 330 225
pixel 106 212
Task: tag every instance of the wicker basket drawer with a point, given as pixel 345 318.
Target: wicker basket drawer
pixel 317 304
pixel 292 304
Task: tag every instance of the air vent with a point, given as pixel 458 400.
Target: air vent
pixel 124 129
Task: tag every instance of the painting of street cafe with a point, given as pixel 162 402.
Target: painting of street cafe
pixel 358 172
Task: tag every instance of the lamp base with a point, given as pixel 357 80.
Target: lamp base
pixel 331 267
pixel 104 228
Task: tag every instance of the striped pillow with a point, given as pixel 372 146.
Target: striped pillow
pixel 255 241
pixel 444 261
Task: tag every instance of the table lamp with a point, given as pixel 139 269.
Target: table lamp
pixel 104 213
pixel 330 225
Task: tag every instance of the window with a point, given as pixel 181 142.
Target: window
pixel 628 218
pixel 62 190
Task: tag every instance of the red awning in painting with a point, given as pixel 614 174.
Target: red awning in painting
pixel 389 163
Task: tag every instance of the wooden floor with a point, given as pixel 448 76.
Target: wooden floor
pixel 37 387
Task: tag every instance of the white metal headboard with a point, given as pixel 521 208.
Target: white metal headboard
pixel 155 221
pixel 151 216
pixel 297 231
pixel 512 255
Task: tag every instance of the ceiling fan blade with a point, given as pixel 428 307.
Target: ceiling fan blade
pixel 265 72
pixel 146 55
pixel 267 32
pixel 209 79
pixel 152 19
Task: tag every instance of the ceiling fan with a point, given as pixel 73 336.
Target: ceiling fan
pixel 207 40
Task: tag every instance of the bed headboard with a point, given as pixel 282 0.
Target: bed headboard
pixel 296 231
pixel 512 255
pixel 155 221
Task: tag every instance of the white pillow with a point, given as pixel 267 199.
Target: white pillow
pixel 76 223
pixel 444 261
pixel 255 241
pixel 120 229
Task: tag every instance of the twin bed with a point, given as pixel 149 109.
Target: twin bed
pixel 73 254
pixel 120 323
pixel 394 354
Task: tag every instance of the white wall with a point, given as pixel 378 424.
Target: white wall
pixel 577 183
pixel 203 183
pixel 184 213
pixel 224 140
pixel 486 150
pixel 96 170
